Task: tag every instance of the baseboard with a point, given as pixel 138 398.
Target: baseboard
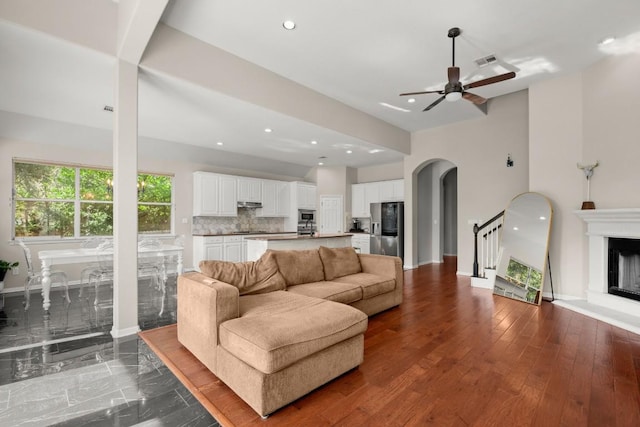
pixel 464 273
pixel 119 333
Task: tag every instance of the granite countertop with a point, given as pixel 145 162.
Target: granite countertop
pixel 244 233
pixel 300 237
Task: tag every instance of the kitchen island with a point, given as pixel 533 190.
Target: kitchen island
pixel 258 245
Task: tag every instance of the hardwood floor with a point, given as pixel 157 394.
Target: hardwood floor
pixel 455 355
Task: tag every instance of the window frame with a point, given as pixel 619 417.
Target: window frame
pixel 78 201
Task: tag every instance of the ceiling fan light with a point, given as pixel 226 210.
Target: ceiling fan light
pixel 453 96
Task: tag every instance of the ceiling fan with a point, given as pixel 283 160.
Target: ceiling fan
pixel 455 90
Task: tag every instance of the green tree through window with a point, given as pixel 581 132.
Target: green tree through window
pixel 66 201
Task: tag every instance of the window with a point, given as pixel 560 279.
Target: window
pixel 70 201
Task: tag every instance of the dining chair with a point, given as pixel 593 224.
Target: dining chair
pixel 103 272
pixel 92 267
pixel 35 278
pixel 151 263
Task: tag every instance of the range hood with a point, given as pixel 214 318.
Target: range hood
pixel 251 205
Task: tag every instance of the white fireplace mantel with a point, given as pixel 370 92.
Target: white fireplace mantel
pixel 602 224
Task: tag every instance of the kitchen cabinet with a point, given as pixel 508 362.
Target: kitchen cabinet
pixel 275 199
pixel 249 189
pixel 362 195
pixel 359 209
pixel 305 195
pixel 361 243
pixel 214 194
pixel 207 248
pixel 232 247
pixel 392 191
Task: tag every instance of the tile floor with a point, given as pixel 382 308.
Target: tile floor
pixel 83 377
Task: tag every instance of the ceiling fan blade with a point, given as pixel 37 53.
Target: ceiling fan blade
pixel 490 80
pixel 422 93
pixel 453 73
pixel 436 102
pixel 476 99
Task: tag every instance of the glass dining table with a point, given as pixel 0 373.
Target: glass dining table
pixel 49 258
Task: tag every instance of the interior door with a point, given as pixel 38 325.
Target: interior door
pixel 331 219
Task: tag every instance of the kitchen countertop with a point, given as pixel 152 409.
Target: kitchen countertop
pixel 300 237
pixel 244 233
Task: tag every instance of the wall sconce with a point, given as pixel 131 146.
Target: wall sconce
pixel 509 161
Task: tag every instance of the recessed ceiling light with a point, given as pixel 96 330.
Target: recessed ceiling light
pixel 320 163
pixel 219 143
pixel 411 100
pixel 375 150
pixel 542 218
pixel 289 25
pixel 606 41
pixel 349 151
pixel 268 130
pixel 314 142
pixel 515 228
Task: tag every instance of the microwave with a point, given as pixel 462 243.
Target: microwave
pixel 306 215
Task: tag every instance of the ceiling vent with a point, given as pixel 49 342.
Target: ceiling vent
pixel 108 108
pixel 489 59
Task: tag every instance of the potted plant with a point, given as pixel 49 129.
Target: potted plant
pixel 4 267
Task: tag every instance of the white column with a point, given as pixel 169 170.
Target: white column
pixel 125 207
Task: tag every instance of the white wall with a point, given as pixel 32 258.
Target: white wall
pixel 380 172
pixel 450 216
pixel 584 117
pixel 478 148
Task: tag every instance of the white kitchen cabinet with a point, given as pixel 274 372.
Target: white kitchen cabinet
pixel 249 189
pixel 371 193
pixel 359 209
pixel 362 195
pixel 233 248
pixel 207 248
pixel 214 194
pixel 283 193
pixel 275 199
pixel 392 191
pixel 305 195
pixel 361 243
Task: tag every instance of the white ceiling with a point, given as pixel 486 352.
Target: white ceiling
pixel 361 53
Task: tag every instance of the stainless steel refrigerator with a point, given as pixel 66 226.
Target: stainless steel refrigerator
pixel 387 229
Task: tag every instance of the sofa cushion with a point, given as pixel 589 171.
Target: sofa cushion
pixel 339 262
pixel 345 293
pixel 253 277
pixel 371 284
pixel 299 266
pixel 279 328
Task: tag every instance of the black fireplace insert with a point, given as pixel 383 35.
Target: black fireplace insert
pixel 624 267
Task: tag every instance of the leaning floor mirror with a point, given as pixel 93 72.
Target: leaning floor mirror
pixel 524 246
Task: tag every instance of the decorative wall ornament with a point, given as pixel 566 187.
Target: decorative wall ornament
pixel 588 173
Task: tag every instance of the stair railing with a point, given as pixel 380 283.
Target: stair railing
pixel 489 247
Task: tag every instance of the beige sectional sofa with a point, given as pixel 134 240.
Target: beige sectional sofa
pixel 275 329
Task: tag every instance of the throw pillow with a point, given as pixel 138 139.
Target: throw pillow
pixel 339 262
pixel 299 266
pixel 254 277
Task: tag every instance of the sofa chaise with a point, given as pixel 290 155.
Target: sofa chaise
pixel 275 329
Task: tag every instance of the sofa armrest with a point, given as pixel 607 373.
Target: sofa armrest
pixel 386 266
pixel 203 304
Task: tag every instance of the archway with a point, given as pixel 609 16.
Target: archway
pixel 436 201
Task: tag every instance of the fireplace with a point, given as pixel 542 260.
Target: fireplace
pixel 614 239
pixel 624 267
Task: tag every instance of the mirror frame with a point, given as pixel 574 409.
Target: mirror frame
pixel 500 266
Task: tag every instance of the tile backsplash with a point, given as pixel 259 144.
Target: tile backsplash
pixel 245 221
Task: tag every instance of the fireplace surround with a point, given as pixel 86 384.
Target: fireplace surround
pixel 604 225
